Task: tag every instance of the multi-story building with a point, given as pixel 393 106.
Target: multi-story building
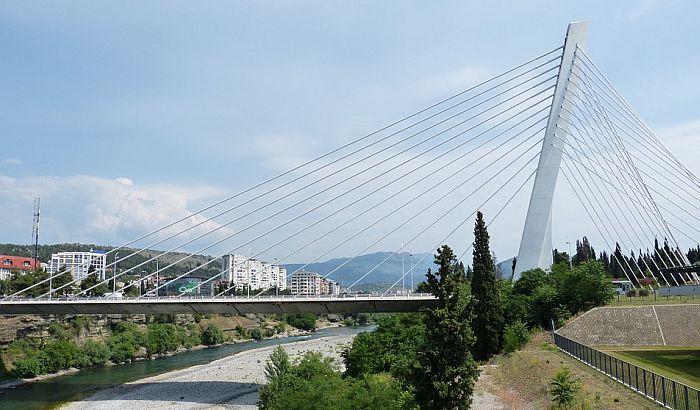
pixel 240 271
pixel 79 263
pixel 311 283
pixel 10 263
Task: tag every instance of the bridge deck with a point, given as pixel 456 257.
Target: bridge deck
pixel 230 305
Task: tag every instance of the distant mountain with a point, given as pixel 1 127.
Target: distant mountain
pixel 389 271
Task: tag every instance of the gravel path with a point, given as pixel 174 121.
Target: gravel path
pixel 228 383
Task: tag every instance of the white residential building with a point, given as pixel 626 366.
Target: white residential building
pixel 79 263
pixel 311 283
pixel 239 270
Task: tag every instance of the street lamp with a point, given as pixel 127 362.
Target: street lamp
pixel 250 252
pixel 571 266
pixel 277 278
pixel 403 271
pixel 114 275
pixel 412 288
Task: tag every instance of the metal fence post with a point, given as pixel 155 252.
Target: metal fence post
pixel 644 380
pixel 675 399
pixel 663 389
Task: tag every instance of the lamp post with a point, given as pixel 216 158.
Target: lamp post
pixel 114 275
pixel 403 271
pixel 250 252
pixel 277 279
pixel 571 265
pixel 411 256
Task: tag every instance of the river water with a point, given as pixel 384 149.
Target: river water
pixel 50 393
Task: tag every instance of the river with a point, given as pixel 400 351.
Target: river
pixel 50 393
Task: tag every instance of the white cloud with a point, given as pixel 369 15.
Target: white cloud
pixel 86 208
pixel 125 181
pixel 12 161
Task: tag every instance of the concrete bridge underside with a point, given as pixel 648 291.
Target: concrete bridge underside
pixel 237 306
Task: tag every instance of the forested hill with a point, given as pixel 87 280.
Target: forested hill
pixel 389 271
pixel 125 260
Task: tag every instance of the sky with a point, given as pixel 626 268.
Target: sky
pixel 125 116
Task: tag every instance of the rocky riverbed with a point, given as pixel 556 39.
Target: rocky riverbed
pixel 228 383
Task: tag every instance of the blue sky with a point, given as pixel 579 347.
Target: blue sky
pixel 123 116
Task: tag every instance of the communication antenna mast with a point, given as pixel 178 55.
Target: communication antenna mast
pixel 35 231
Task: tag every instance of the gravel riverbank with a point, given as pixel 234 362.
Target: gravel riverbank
pixel 228 383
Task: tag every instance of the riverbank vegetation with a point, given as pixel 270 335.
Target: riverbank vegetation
pixel 81 342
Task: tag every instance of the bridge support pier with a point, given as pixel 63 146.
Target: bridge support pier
pixel 536 243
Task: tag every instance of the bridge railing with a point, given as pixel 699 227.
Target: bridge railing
pixel 229 297
pixel 667 392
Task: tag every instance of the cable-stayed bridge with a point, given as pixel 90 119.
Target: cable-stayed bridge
pixel 422 179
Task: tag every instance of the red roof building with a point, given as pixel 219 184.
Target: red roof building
pixel 8 263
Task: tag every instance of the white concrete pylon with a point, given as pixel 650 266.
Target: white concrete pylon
pixel 536 243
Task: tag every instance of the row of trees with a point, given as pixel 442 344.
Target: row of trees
pixel 643 263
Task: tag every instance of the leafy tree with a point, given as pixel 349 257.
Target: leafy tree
pixel 543 304
pixel 487 322
pixel 515 336
pixel 582 287
pixel 531 280
pixel 61 278
pixel 28 367
pixel 161 338
pixel 278 364
pixel 94 354
pixel 304 321
pixel 393 347
pixel 212 335
pixel 378 391
pixel 448 371
pixel 92 280
pixel 564 388
pixel 58 355
pixel 313 383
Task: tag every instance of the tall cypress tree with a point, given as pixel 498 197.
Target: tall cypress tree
pixel 488 307
pixel 448 372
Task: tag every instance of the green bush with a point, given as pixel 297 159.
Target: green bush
pixel 161 338
pixel 212 335
pixel 515 336
pixel 242 332
pixel 123 346
pixel 256 334
pixel 59 355
pixel 643 292
pixel 304 321
pixel 564 388
pixel 631 293
pixel 315 383
pixel 28 367
pixel 94 353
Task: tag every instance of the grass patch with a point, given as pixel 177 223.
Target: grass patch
pixel 681 365
pixel 530 371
